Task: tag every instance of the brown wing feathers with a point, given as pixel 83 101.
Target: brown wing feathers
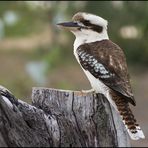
pixel 113 69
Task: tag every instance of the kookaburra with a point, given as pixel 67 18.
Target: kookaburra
pixel 104 64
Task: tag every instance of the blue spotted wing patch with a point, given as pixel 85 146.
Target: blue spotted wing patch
pixel 90 63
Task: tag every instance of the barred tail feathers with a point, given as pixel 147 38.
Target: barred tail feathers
pixel 128 118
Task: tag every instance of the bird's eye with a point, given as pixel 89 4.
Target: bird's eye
pixel 86 22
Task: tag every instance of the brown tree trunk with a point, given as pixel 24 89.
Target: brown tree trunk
pixel 61 118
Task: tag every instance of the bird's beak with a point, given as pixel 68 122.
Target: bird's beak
pixel 69 25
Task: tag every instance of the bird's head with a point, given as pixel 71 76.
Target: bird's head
pixel 88 25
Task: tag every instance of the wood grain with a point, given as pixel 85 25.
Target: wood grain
pixel 61 118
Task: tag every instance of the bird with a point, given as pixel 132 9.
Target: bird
pixel 105 66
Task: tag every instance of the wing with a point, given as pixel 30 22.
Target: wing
pixel 106 61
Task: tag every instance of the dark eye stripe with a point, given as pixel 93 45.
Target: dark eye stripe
pixel 94 27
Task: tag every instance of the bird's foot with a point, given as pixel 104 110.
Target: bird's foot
pixel 88 91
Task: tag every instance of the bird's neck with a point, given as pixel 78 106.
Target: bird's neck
pixel 89 38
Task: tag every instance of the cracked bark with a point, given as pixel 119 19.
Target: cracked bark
pixel 60 118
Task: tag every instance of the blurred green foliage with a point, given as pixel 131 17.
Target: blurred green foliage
pixel 120 14
pixel 29 20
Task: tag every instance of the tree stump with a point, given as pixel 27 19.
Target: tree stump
pixel 61 118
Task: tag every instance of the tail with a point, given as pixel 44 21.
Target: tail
pixel 128 118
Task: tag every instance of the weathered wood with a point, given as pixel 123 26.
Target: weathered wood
pixel 23 126
pixel 61 118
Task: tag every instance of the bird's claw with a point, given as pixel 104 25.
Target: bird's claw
pixel 88 91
